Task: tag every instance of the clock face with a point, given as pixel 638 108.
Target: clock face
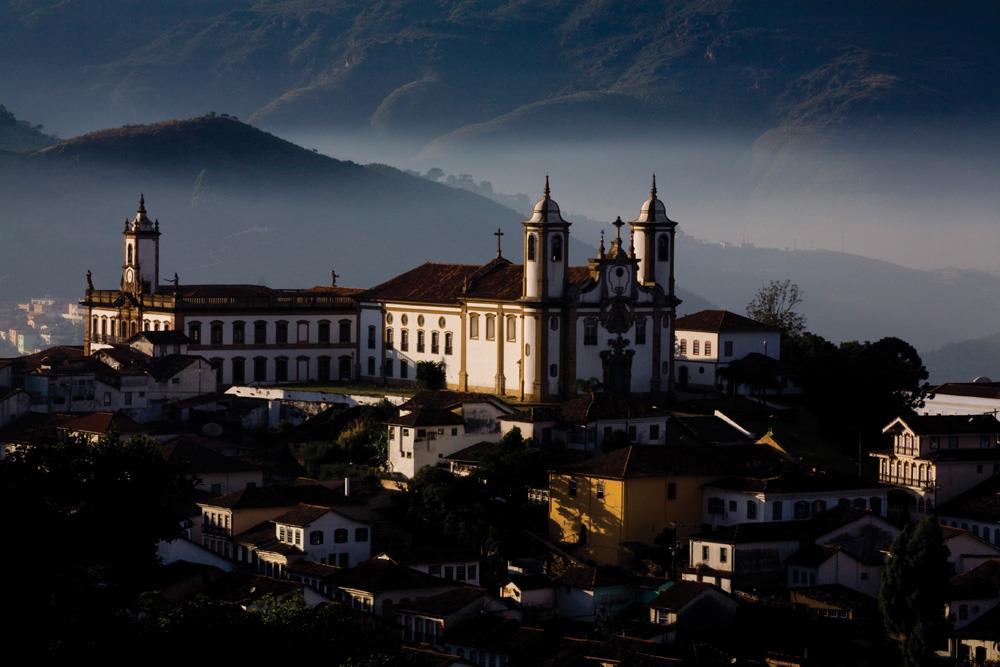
pixel 129 275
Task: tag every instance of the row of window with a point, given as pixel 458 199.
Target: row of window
pixel 556 244
pixel 903 472
pixel 706 554
pixel 801 509
pixel 239 332
pixel 983 532
pixel 102 327
pixel 698 349
pixel 404 341
pixel 454 573
pixel 291 535
pixel 260 366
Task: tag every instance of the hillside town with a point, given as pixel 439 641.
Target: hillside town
pixel 526 462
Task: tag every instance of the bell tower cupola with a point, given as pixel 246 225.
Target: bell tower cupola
pixel 653 235
pixel 546 250
pixel 141 252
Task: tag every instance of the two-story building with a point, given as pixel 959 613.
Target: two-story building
pixel 710 340
pixel 976 510
pixel 935 458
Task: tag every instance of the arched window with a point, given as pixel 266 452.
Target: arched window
pixel 94 328
pixel 420 340
pixel 695 347
pixel 344 333
pixel 371 333
pixel 129 260
pixel 473 325
pixel 156 325
pixel 239 333
pixel 281 332
pixel 553 370
pixel 554 323
pixel 104 326
pixel 708 348
pixel 215 333
pixel 491 327
pixel 435 342
pixel 194 332
pixel 531 247
pixel 682 347
pixel 511 328
pixel 239 370
pixel 388 338
pixel 663 248
pixel 448 343
pixel 557 249
pixel 281 369
pixel 323 331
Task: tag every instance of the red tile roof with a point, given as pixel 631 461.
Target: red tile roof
pixel 719 320
pixel 102 423
pixel 659 460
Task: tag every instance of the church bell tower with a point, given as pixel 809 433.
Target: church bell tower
pixel 546 250
pixel 141 253
pixel 653 234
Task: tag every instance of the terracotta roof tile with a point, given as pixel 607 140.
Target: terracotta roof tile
pixel 719 320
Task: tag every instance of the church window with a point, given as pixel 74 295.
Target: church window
pixel 695 347
pixel 260 332
pixel 491 326
pixel 303 331
pixel 435 342
pixel 388 368
pixel 554 323
pixel 682 347
pixel 473 325
pixel 260 369
pixel 388 338
pixel 420 320
pixel 590 332
pixel 371 365
pixel 404 369
pixel 708 348
pixel 511 328
pixel 420 340
pixel 129 261
pixel 239 370
pixel 640 332
pixel 281 332
pixel 663 248
pixel 216 333
pixel 531 247
pixel 404 339
pixel 371 336
pixel 239 333
pixel 194 332
pixel 557 248
pixel 344 331
pixel 553 370
pixel 281 369
pixel 448 343
pixel 727 348
pixel 323 331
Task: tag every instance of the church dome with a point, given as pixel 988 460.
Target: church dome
pixel 653 210
pixel 546 209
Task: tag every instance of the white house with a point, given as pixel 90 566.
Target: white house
pixel 316 533
pixel 787 496
pixel 962 398
pixel 452 563
pixel 536 591
pixel 976 511
pixel 935 458
pixel 710 340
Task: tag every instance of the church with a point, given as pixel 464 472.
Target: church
pixel 535 331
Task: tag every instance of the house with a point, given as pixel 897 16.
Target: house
pixel 314 533
pixel 426 620
pixel 14 404
pixel 531 591
pixel 237 512
pixel 377 585
pixel 496 640
pixel 711 340
pixel 962 398
pixel 973 594
pixel 97 425
pixel 689 607
pixel 935 458
pixel 976 642
pixel 453 563
pixel 585 422
pixel 707 430
pixel 834 602
pixel 213 472
pixel 844 546
pixel 432 425
pixel 967 551
pixel 788 495
pixel 589 593
pixel 636 493
pixel 465 461
pixel 976 510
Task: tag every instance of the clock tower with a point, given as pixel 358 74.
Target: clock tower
pixel 141 253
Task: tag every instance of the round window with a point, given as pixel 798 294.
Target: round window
pixel 388 318
pixel 404 319
pixel 441 323
pixel 420 320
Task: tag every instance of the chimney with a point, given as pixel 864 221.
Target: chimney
pixel 347 487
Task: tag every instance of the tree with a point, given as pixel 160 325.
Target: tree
pixel 913 590
pixel 775 304
pixel 430 374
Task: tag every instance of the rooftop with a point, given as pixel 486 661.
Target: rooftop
pixel 981 502
pixel 302 515
pixel 444 604
pixel 946 424
pixel 717 321
pixel 379 575
pixel 794 482
pixel 980 583
pixel 657 460
pixel 279 496
pixel 679 594
pixel 970 389
pixel 101 423
pixel 476 453
pixel 186 451
pixel 427 417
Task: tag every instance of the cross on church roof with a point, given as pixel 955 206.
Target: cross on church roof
pixel 498 233
pixel 618 224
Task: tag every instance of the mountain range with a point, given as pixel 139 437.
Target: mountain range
pixel 238 204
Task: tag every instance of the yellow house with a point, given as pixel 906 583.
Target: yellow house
pixel 635 493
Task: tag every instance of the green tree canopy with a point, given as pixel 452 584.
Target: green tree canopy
pixel 776 304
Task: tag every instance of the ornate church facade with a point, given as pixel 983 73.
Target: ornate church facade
pixel 531 331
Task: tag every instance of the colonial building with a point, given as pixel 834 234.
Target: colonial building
pixel 532 330
pixel 250 333
pixel 711 340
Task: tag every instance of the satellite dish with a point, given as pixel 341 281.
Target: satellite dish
pixel 212 430
pixel 982 379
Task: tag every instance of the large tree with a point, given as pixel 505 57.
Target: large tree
pixel 913 591
pixel 776 303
